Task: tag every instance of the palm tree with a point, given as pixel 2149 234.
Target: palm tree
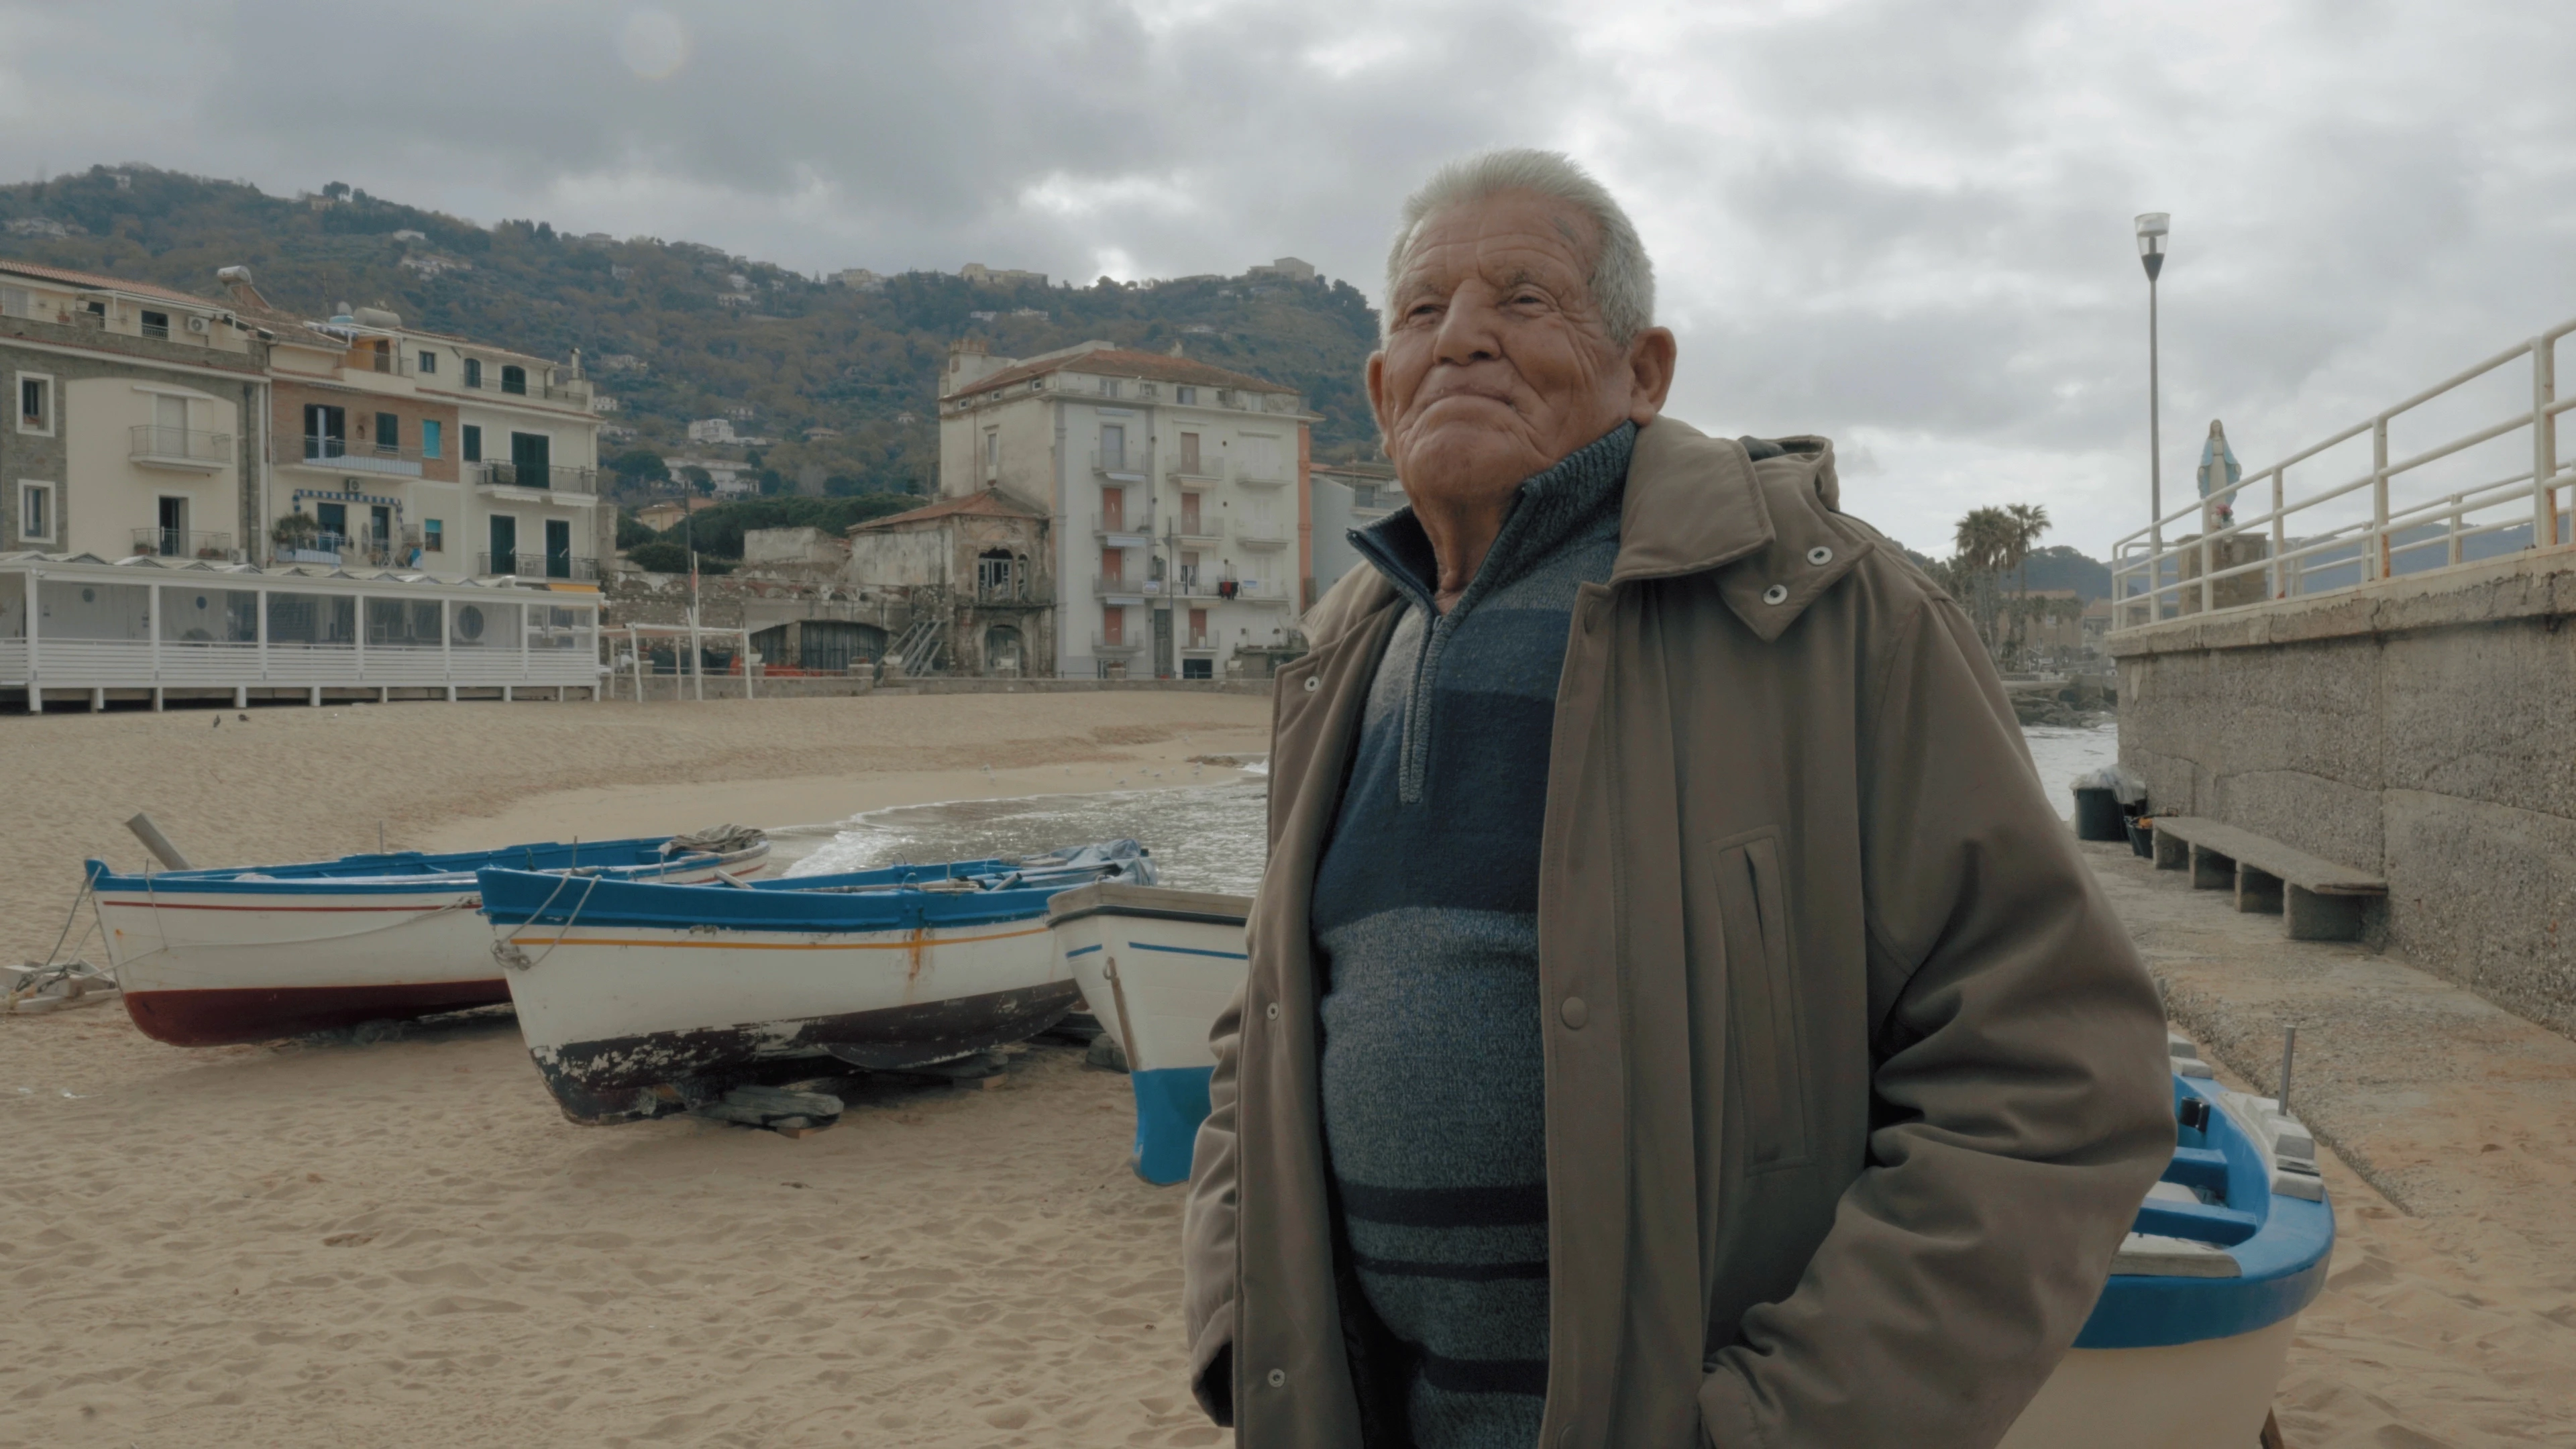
pixel 1984 540
pixel 2026 522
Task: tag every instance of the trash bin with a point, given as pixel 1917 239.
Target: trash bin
pixel 2142 836
pixel 2097 814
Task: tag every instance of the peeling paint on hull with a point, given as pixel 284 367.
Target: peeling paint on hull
pixel 630 1079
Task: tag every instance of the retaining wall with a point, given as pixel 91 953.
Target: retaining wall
pixel 2423 728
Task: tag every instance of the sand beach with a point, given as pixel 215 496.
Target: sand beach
pixel 314 1242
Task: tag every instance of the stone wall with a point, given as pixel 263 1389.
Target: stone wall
pixel 2423 728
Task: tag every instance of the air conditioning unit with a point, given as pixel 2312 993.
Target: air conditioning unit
pixel 200 325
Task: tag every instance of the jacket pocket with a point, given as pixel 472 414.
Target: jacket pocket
pixel 1766 1062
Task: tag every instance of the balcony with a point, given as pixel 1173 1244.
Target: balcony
pixel 1199 644
pixel 555 479
pixel 574 394
pixel 339 455
pixel 535 566
pixel 1200 532
pixel 183 543
pixel 1104 526
pixel 1209 468
pixel 1122 464
pixel 1260 533
pixel 185 449
pixel 1116 648
pixel 1003 596
pixel 1105 587
pixel 1190 584
pixel 393 363
pixel 1266 476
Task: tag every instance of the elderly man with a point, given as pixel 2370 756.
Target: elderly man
pixel 1676 1015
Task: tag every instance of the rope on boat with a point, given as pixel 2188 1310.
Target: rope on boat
pixel 36 977
pixel 506 949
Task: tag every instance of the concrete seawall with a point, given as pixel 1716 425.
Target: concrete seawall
pixel 2422 728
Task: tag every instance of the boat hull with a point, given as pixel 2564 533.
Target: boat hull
pixel 206 959
pixel 2214 1391
pixel 628 1019
pixel 1156 967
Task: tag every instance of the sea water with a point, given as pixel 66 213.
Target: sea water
pixel 1204 837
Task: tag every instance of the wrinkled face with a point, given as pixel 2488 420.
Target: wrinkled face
pixel 1496 363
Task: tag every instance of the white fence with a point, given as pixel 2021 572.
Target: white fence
pixel 2443 503
pixel 81 623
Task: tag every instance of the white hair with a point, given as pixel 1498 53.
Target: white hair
pixel 1623 279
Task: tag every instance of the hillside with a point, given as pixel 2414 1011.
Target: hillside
pixel 675 330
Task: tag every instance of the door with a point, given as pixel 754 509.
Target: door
pixel 326 431
pixel 1113 447
pixel 380 532
pixel 531 459
pixel 1190 455
pixel 1113 509
pixel 558 548
pixel 1162 643
pixel 505 545
pixel 1190 516
pixel 333 521
pixel 1113 564
pixel 174 528
pixel 1198 629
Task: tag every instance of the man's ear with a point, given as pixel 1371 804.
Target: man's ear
pixel 1374 375
pixel 1650 373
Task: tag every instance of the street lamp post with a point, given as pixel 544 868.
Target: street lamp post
pixel 2152 227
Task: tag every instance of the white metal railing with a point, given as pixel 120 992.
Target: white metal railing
pixel 153 443
pixel 1261 532
pixel 2152 579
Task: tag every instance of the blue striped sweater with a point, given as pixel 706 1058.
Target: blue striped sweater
pixel 1425 918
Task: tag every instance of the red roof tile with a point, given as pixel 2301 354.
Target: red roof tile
pixel 988 504
pixel 96 282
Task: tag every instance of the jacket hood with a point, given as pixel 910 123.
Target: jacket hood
pixel 1769 529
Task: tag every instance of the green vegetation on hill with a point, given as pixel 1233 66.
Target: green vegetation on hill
pixel 675 330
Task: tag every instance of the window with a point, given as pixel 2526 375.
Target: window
pixel 156 324
pixel 1185 395
pixel 388 432
pixel 429 364
pixel 992 452
pixel 473 374
pixel 334 519
pixel 1109 387
pixel 1364 495
pixel 433 532
pixel 98 310
pixel 35 403
pixel 429 435
pixel 1148 391
pixel 35 512
pixel 514 378
pixel 326 431
pixel 471 436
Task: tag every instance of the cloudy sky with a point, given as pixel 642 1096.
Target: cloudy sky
pixel 1902 224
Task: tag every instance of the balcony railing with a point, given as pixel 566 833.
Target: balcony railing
pixel 1103 644
pixel 1013 594
pixel 536 566
pixel 1192 531
pixel 559 478
pixel 395 363
pixel 1190 584
pixel 182 543
pixel 1199 644
pixel 1106 587
pixel 339 455
pixel 162 447
pixel 562 392
pixel 1210 467
pixel 1127 463
pixel 1260 533
pixel 1273 475
pixel 1102 525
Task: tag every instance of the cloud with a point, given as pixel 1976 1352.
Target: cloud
pixel 1900 224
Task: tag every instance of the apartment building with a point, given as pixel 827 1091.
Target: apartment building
pixel 1175 491
pixel 135 422
pixel 1347 496
pixel 400 447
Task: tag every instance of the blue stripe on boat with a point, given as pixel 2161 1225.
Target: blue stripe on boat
pixel 1082 950
pixel 1176 951
pixel 807 905
pixel 1170 1104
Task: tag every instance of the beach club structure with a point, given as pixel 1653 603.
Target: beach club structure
pixel 79 628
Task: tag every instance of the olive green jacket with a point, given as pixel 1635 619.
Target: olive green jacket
pixel 1854 1082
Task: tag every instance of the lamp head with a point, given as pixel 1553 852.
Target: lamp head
pixel 2152 227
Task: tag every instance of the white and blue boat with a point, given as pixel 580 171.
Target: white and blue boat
pixel 1156 966
pixel 2191 1334
pixel 248 953
pixel 638 1001
pixel 2184 1347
